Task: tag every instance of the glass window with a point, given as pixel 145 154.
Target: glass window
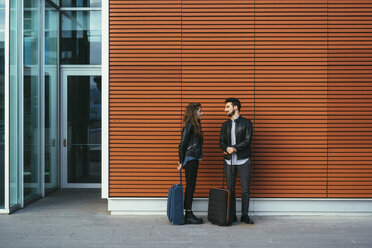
pixel 51 97
pixel 2 77
pixel 81 3
pixel 81 37
pixel 31 99
pixel 14 107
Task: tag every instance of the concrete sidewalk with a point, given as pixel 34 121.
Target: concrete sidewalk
pixel 79 218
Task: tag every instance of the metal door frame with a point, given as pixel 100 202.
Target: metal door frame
pixel 75 70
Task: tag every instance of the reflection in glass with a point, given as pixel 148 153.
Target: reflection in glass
pixel 81 3
pixel 31 106
pixel 2 78
pixel 55 1
pixel 81 37
pixel 84 129
pixel 51 98
pixel 13 106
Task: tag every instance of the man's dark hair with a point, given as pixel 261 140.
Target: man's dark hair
pixel 234 101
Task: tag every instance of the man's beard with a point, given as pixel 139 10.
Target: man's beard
pixel 230 114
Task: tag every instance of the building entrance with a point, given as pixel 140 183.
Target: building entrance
pixel 81 127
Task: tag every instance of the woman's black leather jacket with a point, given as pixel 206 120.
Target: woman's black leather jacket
pixel 191 144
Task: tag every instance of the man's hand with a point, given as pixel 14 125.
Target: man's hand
pixel 179 166
pixel 231 150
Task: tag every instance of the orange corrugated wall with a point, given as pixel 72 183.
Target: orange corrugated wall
pixel 349 98
pixel 302 70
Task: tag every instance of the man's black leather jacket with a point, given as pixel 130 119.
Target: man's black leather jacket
pixel 243 134
pixel 190 145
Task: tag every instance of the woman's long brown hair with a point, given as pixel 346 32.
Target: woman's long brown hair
pixel 192 117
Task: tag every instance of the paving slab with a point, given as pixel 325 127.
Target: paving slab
pixel 79 218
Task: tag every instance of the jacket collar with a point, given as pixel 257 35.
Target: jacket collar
pixel 237 119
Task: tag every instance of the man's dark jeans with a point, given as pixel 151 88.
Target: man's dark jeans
pixel 244 171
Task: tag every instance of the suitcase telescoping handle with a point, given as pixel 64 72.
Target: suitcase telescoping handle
pixel 181 177
pixel 223 177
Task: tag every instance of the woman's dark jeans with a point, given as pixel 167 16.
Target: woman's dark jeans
pixel 191 172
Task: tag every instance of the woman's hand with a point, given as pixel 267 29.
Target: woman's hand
pixel 179 166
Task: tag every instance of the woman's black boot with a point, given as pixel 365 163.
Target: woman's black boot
pixel 190 218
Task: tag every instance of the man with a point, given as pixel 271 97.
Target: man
pixel 235 140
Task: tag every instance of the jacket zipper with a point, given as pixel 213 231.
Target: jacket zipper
pixel 188 148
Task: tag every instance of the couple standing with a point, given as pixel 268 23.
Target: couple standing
pixel 235 139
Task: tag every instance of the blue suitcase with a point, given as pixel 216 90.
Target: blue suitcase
pixel 175 203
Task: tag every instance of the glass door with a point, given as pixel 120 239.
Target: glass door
pixel 81 128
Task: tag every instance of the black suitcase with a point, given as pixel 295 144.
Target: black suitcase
pixel 219 212
pixel 219 205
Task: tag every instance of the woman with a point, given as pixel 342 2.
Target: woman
pixel 190 152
